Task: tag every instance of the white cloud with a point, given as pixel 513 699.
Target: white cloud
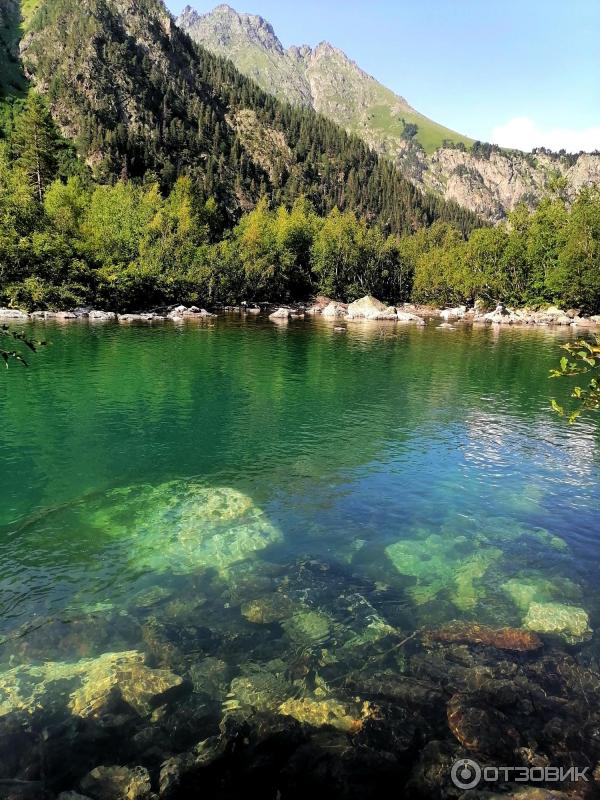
pixel 522 133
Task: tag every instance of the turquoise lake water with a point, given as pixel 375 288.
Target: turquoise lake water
pixel 168 477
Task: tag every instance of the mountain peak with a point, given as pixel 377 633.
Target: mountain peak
pixel 224 27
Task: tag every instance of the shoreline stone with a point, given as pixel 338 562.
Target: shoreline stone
pixel 102 316
pixel 281 313
pixel 453 313
pixel 334 309
pixel 368 307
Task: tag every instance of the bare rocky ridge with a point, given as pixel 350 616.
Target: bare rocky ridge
pixel 490 184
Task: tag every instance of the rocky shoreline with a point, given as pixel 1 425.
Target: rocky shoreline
pixel 367 308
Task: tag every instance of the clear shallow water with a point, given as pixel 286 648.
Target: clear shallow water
pixel 347 442
pixel 157 480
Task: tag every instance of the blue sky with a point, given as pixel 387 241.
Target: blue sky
pixel 520 72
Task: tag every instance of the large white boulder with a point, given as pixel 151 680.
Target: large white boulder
pixel 12 313
pixel 334 309
pixel 453 313
pixel 281 313
pixel 369 307
pixel 102 316
pixel 406 316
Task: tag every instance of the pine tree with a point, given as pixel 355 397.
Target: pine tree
pixel 36 144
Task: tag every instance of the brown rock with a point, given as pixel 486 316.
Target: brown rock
pixel 480 728
pixel 516 639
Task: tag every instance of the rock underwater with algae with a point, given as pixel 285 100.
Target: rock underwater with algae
pixel 182 526
pixel 442 563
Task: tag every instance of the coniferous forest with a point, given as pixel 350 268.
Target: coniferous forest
pixel 147 175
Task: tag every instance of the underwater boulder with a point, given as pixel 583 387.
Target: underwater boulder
pixel 90 687
pixel 258 690
pixel 480 728
pixel 182 526
pixel 319 713
pixel 117 783
pixel 571 623
pixel 515 639
pixel 443 563
pixel 140 687
pixel 269 609
pixel 308 627
pixel 536 588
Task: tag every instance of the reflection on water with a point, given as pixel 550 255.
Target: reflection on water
pixel 238 529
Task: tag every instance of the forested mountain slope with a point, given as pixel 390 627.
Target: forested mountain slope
pixel 139 99
pixel 489 181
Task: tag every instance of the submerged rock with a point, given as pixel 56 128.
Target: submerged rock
pixel 442 563
pixel 308 627
pixel 369 307
pixel 265 610
pixel 322 712
pixel 182 526
pixel 480 728
pixel 89 687
pixel 530 588
pixel 471 633
pixel 117 783
pixel 569 622
pixel 259 690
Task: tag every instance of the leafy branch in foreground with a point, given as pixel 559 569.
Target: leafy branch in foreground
pixel 583 359
pixel 17 336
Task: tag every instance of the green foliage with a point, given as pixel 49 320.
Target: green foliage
pixel 546 257
pixel 160 105
pixel 13 354
pixel 35 142
pixel 67 239
pixel 583 359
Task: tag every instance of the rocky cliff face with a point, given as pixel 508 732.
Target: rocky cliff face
pixel 492 183
pixel 489 182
